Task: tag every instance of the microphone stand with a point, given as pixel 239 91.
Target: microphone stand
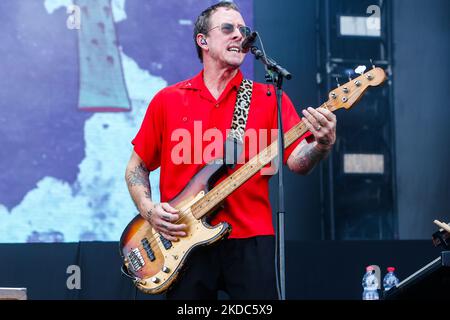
pixel 277 74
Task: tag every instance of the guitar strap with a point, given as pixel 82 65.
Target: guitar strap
pixel 241 110
pixel 235 138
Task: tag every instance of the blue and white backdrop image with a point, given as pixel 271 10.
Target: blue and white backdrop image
pixel 71 101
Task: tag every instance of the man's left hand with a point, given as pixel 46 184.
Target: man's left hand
pixel 322 124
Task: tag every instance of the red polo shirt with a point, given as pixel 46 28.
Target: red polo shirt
pixel 181 114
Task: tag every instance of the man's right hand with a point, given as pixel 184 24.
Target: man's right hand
pixel 163 219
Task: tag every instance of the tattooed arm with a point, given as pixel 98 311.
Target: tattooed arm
pixel 161 216
pixel 322 124
pixel 137 178
pixel 305 157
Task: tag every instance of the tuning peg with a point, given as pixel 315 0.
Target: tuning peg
pixel 373 66
pixel 337 81
pixel 360 70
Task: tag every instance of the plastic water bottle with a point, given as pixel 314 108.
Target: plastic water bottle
pixel 370 284
pixel 390 280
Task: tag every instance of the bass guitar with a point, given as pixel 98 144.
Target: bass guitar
pixel 153 262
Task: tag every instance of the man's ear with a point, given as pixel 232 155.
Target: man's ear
pixel 201 41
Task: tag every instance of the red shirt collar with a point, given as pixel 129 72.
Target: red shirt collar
pixel 197 82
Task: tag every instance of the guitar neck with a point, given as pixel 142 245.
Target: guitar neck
pixel 240 176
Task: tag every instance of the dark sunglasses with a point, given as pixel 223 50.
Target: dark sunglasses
pixel 228 28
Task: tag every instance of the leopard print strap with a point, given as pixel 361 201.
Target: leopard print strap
pixel 241 110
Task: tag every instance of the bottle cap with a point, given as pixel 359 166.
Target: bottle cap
pixel 370 268
pixel 390 269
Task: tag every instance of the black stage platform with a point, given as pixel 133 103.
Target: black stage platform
pixel 314 270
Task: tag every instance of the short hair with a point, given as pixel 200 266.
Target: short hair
pixel 202 25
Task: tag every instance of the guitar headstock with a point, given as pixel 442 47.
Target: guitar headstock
pixel 346 95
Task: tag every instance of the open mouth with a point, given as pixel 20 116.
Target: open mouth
pixel 234 49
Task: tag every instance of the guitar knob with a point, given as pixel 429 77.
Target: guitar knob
pixel 333 95
pixel 345 89
pixel 155 280
pixel 369 76
pixel 165 269
pixel 358 83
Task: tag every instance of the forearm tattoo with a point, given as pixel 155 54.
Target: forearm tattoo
pixel 307 157
pixel 149 212
pixel 139 177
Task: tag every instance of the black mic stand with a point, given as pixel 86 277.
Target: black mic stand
pixel 276 75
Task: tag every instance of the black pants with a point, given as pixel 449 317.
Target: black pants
pixel 243 268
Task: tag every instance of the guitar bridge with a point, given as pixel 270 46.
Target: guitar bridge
pixel 136 259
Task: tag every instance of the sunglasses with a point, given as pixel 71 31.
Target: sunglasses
pixel 228 28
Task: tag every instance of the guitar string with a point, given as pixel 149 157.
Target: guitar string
pixel 184 214
pixel 155 236
pixel 296 132
pixel 298 127
pixel 292 134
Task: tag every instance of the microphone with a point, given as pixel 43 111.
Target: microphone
pixel 248 42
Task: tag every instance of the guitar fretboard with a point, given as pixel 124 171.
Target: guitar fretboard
pixel 240 176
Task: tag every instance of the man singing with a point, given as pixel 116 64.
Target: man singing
pixel 242 265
